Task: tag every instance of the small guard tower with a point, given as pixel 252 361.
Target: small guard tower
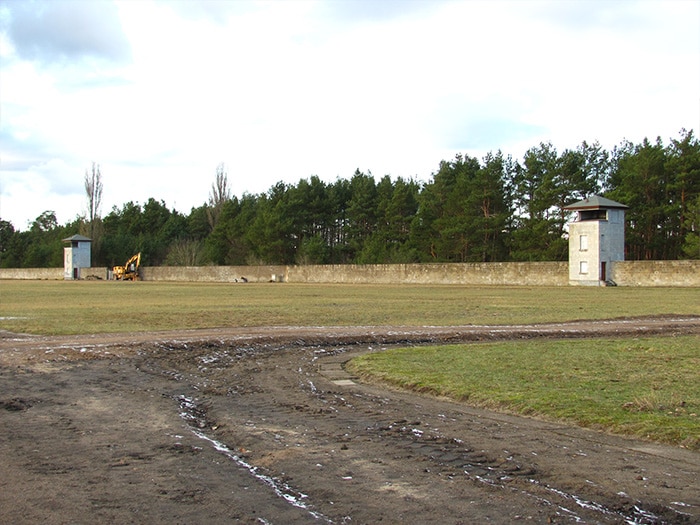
pixel 76 255
pixel 596 240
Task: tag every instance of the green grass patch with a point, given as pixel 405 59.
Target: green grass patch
pixel 81 307
pixel 647 388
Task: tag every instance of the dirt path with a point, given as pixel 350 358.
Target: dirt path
pixel 264 426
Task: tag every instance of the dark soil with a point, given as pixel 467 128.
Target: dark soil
pixel 265 426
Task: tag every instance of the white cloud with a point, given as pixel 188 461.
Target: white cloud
pixel 159 93
pixel 65 30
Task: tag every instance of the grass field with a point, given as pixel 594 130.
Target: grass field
pixel 644 387
pixel 81 307
pixel 647 387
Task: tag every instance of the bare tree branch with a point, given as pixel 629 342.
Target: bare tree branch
pixel 93 189
pixel 219 195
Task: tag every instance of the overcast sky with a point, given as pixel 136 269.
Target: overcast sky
pixel 159 93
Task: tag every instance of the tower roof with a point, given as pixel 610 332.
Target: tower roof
pixel 79 238
pixel 595 202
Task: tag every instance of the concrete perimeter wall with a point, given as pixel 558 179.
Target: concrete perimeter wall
pixel 41 274
pixel 215 274
pixel 656 273
pixel 511 274
pixel 624 273
pixel 50 274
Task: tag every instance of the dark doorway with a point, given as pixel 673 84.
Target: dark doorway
pixel 603 272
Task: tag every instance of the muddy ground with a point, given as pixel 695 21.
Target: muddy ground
pixel 265 426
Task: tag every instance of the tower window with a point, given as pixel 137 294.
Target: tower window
pixel 593 215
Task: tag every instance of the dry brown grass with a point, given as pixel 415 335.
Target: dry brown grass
pixel 70 307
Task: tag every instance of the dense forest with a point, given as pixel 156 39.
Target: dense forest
pixel 471 210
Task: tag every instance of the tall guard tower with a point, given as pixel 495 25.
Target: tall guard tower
pixel 76 255
pixel 596 240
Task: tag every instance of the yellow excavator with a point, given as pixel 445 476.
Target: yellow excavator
pixel 130 271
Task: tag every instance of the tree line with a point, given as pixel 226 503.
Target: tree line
pixel 471 210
